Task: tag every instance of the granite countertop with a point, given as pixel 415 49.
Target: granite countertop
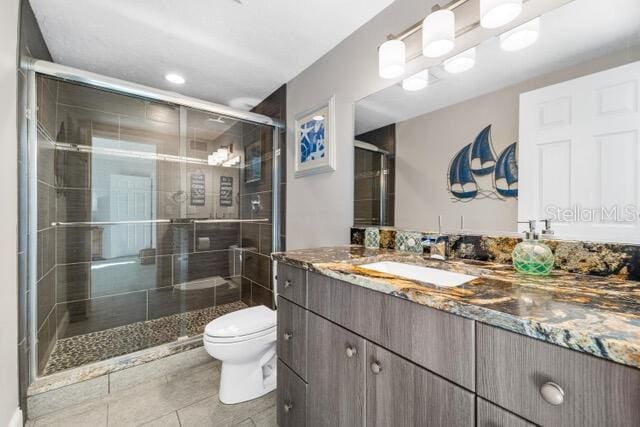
pixel 595 315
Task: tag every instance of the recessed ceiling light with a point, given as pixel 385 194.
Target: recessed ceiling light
pixel 318 118
pixel 520 37
pixel 175 78
pixel 461 62
pixel 416 82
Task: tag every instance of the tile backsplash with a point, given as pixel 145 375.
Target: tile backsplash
pixel 600 259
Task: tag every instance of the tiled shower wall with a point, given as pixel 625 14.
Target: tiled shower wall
pixel 31 45
pixel 257 239
pixel 367 169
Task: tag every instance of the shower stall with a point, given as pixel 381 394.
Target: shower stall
pixel 150 214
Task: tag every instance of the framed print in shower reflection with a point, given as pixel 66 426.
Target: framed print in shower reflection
pixel 315 139
pixel 253 162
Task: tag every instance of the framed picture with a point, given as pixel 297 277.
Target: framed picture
pixel 253 162
pixel 315 140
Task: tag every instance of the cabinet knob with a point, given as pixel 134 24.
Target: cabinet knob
pixel 376 368
pixel 288 406
pixel 288 335
pixel 351 351
pixel 552 393
pixel 287 283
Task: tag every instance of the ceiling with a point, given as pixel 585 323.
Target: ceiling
pixel 576 32
pixel 233 52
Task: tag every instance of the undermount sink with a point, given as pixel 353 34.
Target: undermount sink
pixel 435 276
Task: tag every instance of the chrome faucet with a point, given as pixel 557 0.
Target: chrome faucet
pixel 438 246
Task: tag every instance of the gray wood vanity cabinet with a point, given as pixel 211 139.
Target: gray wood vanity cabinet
pixel 352 356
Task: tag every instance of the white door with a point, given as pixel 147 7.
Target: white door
pixel 579 159
pixel 131 201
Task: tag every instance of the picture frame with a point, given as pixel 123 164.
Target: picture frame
pixel 315 150
pixel 253 162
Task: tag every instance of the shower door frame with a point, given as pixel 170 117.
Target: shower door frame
pixel 34 67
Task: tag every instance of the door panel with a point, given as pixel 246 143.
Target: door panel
pixel 579 160
pixel 336 375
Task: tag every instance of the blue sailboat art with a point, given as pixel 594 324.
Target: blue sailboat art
pixel 483 159
pixel 506 172
pixel 461 182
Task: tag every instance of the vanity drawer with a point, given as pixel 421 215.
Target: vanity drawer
pixel 292 283
pixel 490 415
pixel 441 342
pixel 512 370
pixel 292 336
pixel 292 398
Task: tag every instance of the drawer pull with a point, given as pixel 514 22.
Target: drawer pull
pixel 288 407
pixel 552 393
pixel 287 283
pixel 376 368
pixel 351 351
pixel 288 335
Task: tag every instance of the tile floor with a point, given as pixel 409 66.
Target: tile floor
pixel 183 399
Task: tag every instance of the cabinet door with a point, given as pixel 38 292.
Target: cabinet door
pixel 292 283
pixel 400 393
pixel 292 336
pixel 292 398
pixel 336 375
pixel 490 415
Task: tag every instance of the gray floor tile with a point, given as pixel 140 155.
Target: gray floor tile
pixel 145 402
pixel 56 400
pixel 211 412
pixel 169 420
pixel 266 418
pixel 245 423
pixel 92 414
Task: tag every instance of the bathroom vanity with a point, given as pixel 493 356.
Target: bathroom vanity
pixel 360 347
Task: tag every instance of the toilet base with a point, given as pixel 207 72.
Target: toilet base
pixel 246 381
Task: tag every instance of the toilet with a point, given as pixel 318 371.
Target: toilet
pixel 245 342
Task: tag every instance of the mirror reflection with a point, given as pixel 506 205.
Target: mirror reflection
pixel 539 122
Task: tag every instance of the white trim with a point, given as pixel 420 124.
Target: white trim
pixel 330 139
pixel 16 419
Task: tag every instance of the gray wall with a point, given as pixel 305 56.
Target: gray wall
pixel 320 207
pixel 426 144
pixel 9 224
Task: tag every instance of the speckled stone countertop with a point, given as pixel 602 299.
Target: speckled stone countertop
pixel 595 315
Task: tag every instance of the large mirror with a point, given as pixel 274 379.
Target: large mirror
pixel 548 131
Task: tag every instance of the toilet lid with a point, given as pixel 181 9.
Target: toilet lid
pixel 242 322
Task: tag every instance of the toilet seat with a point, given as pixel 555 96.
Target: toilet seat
pixel 241 325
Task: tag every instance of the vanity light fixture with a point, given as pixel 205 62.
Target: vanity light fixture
pixel 391 56
pixel 520 37
pixel 462 62
pixel 416 82
pixel 496 13
pixel 438 33
pixel 175 78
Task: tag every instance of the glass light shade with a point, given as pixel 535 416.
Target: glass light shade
pixel 391 56
pixel 461 62
pixel 496 13
pixel 416 82
pixel 438 33
pixel 520 37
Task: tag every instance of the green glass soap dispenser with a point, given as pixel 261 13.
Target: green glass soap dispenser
pixel 531 256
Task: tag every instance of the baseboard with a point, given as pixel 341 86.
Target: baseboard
pixel 16 419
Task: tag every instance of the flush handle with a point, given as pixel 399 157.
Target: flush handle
pixel 351 351
pixel 287 283
pixel 376 368
pixel 552 393
pixel 288 406
pixel 288 335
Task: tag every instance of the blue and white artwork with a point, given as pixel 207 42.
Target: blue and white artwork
pixel 315 140
pixel 312 140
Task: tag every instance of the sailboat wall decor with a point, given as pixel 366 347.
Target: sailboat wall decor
pixel 506 172
pixel 476 163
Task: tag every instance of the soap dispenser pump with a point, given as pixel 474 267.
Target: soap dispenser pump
pixel 531 256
